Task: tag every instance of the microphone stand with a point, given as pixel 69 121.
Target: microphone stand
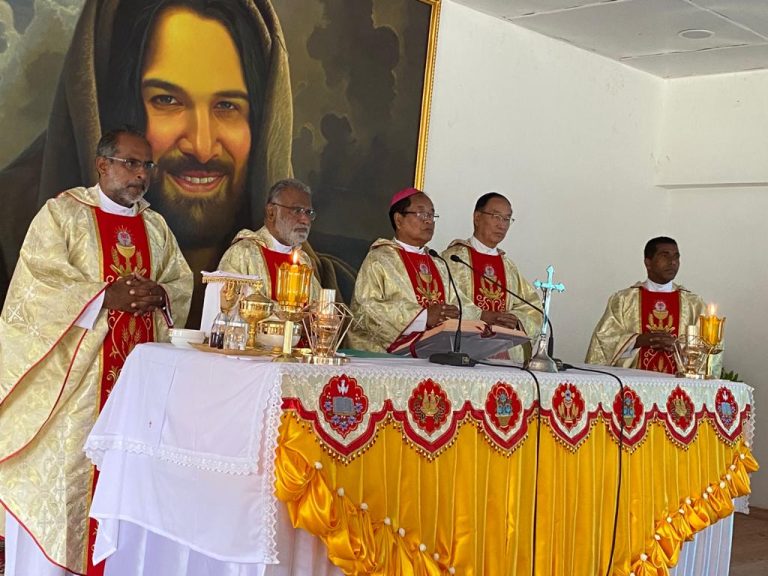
pixel 554 364
pixel 456 357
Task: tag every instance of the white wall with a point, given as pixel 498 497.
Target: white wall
pixel 577 142
pixel 715 131
pixel 726 228
pixel 569 137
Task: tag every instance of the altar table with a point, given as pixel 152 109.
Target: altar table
pixel 398 466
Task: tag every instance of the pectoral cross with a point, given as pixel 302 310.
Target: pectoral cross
pixel 546 288
pixel 541 361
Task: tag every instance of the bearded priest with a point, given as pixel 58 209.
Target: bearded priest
pixel 640 323
pixel 287 222
pixel 99 272
pixel 401 291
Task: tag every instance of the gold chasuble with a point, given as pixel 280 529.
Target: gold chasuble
pixel 634 311
pixel 56 375
pixel 392 288
pixel 251 253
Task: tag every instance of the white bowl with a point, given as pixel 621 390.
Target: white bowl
pixel 269 333
pixel 184 337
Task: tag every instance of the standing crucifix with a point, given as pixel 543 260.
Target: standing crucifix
pixel 540 361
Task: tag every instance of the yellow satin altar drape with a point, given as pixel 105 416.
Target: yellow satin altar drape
pixel 470 511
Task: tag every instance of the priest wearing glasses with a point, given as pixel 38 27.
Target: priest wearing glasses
pixel 493 274
pixel 99 273
pixel 401 291
pixel 287 222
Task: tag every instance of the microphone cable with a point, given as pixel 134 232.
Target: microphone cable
pixel 621 449
pixel 538 445
pixel 457 338
pixel 551 343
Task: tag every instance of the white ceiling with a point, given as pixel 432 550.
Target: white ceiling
pixel 645 33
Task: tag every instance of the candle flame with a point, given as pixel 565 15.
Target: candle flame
pixel 712 310
pixel 295 256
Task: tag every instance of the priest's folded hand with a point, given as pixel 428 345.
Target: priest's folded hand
pixel 134 294
pixel 437 313
pixel 505 319
pixel 657 340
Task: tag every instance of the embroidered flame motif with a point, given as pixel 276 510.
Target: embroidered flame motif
pixel 680 408
pixel 568 405
pixel 503 406
pixel 488 290
pixel 343 403
pixel 429 405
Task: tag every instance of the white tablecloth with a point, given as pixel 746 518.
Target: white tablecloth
pixel 185 446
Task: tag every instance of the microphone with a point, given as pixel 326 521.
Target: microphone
pixel 551 343
pixel 456 357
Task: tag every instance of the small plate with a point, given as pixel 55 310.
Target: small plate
pixel 252 352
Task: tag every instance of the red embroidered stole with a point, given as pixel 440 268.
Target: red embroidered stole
pixel 427 287
pixel 424 276
pixel 124 250
pixel 487 295
pixel 659 312
pixel 274 260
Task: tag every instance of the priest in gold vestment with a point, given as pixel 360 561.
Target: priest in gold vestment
pixel 98 273
pixel 493 273
pixel 287 222
pixel 401 291
pixel 640 323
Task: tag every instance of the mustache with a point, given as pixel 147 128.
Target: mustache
pixel 179 162
pixel 143 184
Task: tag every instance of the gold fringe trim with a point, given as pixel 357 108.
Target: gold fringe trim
pixel 694 514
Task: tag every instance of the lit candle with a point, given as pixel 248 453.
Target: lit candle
pixel 294 280
pixel 711 327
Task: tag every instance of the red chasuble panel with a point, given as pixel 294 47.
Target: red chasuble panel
pixel 487 295
pixel 274 260
pixel 659 312
pixel 124 250
pixel 425 278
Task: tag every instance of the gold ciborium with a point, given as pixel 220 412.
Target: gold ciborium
pixel 254 309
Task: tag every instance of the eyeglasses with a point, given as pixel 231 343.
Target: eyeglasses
pixel 134 165
pixel 424 216
pixel 500 218
pixel 298 211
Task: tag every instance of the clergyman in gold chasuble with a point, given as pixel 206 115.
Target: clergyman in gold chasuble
pixel 640 323
pixel 493 272
pixel 401 290
pixel 99 272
